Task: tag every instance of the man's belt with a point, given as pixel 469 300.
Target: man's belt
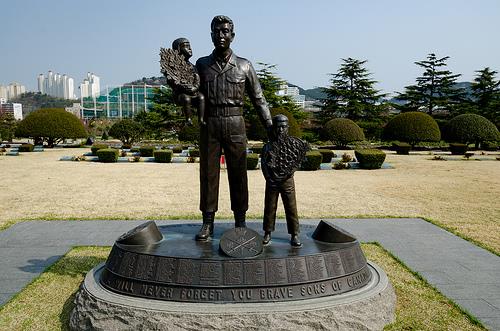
pixel 222 111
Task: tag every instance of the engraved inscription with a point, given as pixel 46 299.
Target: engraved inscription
pixel 359 257
pixel 276 272
pixel 254 272
pixel 316 267
pixel 313 289
pixel 276 293
pixel 334 264
pixel 348 260
pixel 297 270
pixel 210 273
pixel 146 267
pixel 187 272
pixel 127 266
pixel 166 270
pixel 233 273
pixel 358 279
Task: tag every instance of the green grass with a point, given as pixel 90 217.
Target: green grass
pixel 46 303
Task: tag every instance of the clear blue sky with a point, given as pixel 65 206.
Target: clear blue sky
pixel 120 40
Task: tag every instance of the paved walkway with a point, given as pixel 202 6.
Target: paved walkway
pixel 465 273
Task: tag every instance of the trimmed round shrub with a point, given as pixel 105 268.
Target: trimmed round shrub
pixel 163 156
pixel 490 146
pixel 256 130
pixel 412 127
pixel 312 161
pixel 470 129
pixel 252 161
pixel 370 158
pixel 343 131
pixel 146 151
pixel 401 148
pixel 52 125
pixel 127 131
pixel 26 148
pixel 327 154
pixel 108 155
pixel 97 147
pixel 194 152
pixel 458 149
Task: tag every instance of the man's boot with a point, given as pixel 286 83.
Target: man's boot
pixel 294 241
pixel 267 238
pixel 207 229
pixel 239 220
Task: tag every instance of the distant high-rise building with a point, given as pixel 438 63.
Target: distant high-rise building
pixel 293 93
pixel 90 87
pixel 56 85
pixel 11 91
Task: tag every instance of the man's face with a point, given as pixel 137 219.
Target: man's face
pixel 281 128
pixel 222 36
pixel 185 49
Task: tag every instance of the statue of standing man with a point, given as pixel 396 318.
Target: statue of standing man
pixel 224 78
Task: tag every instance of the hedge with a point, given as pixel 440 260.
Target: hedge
pixel 97 147
pixel 26 148
pixel 342 131
pixel 252 161
pixel 412 127
pixel 458 149
pixel 257 149
pixel 146 151
pixel 194 152
pixel 107 155
pixel 327 154
pixel 470 128
pixel 370 158
pixel 312 161
pixel 401 148
pixel 163 156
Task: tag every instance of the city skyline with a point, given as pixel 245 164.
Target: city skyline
pixel 120 41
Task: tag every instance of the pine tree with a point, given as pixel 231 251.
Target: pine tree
pixel 434 89
pixel 486 94
pixel 351 93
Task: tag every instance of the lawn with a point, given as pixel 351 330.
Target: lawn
pixel 46 303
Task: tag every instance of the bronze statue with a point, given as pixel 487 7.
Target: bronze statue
pixel 280 158
pixel 224 78
pixel 182 78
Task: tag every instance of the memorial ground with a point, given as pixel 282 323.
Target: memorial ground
pixel 458 195
pixel 461 196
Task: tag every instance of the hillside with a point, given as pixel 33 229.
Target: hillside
pixel 32 101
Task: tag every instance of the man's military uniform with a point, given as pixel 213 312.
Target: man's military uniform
pixel 224 82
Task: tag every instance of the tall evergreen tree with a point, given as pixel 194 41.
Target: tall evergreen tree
pixel 351 93
pixel 486 94
pixel 270 84
pixel 434 89
pixel 167 114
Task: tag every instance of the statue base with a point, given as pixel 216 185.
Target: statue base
pixel 368 308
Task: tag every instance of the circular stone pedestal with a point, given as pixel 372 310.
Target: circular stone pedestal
pixel 368 308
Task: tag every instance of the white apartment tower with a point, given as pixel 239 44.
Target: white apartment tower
pixel 11 91
pixel 90 87
pixel 56 85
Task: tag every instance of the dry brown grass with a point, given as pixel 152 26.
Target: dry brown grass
pixel 460 195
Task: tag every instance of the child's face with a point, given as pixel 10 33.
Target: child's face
pixel 185 49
